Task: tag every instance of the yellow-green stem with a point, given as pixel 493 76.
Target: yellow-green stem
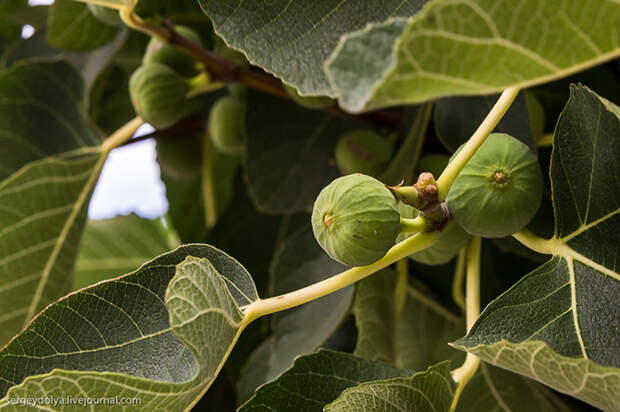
pixel 414 225
pixel 545 140
pixel 538 244
pixel 486 127
pixel 122 135
pixel 459 277
pixel 399 251
pixel 400 293
pixel 208 182
pixel 463 374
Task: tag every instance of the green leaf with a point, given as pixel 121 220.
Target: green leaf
pixel 51 93
pixel 475 47
pixel 71 26
pixel 570 302
pixel 119 245
pixel 45 198
pixel 410 337
pixel 300 330
pixel 293 39
pixel 457 118
pixel 431 390
pixel 288 153
pixel 160 334
pixel 317 379
pixel 497 389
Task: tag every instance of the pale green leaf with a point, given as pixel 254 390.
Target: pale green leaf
pixel 160 334
pixel 71 26
pixel 456 47
pixel 431 390
pixel 119 245
pixel 317 379
pixel 292 39
pixel 571 302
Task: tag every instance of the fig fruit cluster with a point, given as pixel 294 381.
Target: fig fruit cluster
pixel 159 87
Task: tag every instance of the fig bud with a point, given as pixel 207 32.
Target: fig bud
pixel 158 51
pixel 355 219
pixel 158 95
pixel 226 124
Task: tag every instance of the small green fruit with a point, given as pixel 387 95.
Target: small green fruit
pixel 363 151
pixel 355 219
pixel 105 15
pixel 452 239
pixel 158 95
pixel 158 51
pixel 226 125
pixel 499 190
pixel 309 102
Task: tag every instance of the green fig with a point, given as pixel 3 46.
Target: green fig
pixel 226 125
pixel 158 95
pixel 158 51
pixel 499 190
pixel 105 15
pixel 363 151
pixel 355 219
pixel 309 102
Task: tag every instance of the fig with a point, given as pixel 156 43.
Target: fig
pixel 363 151
pixel 226 124
pixel 158 51
pixel 355 219
pixel 158 95
pixel 105 15
pixel 309 102
pixel 452 239
pixel 499 190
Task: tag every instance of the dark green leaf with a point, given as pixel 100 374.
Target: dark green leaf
pixel 317 379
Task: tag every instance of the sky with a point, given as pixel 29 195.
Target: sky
pixel 129 181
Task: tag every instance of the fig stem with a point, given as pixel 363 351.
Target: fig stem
pixel 463 374
pixel 208 182
pixel 459 277
pixel 545 140
pixel 202 84
pixel 475 141
pixel 122 135
pixel 538 244
pixel 414 225
pixel 400 291
pixel 298 297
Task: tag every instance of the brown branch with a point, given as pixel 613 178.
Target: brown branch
pixel 194 124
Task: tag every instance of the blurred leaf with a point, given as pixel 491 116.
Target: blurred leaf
pixel 317 379
pixel 457 118
pixel 119 245
pixel 160 334
pixel 71 26
pixel 301 330
pixel 409 337
pixel 290 153
pixel 14 14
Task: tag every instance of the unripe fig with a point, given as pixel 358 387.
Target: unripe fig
pixel 226 124
pixel 158 51
pixel 452 239
pixel 499 190
pixel 309 102
pixel 363 151
pixel 105 15
pixel 158 95
pixel 355 219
